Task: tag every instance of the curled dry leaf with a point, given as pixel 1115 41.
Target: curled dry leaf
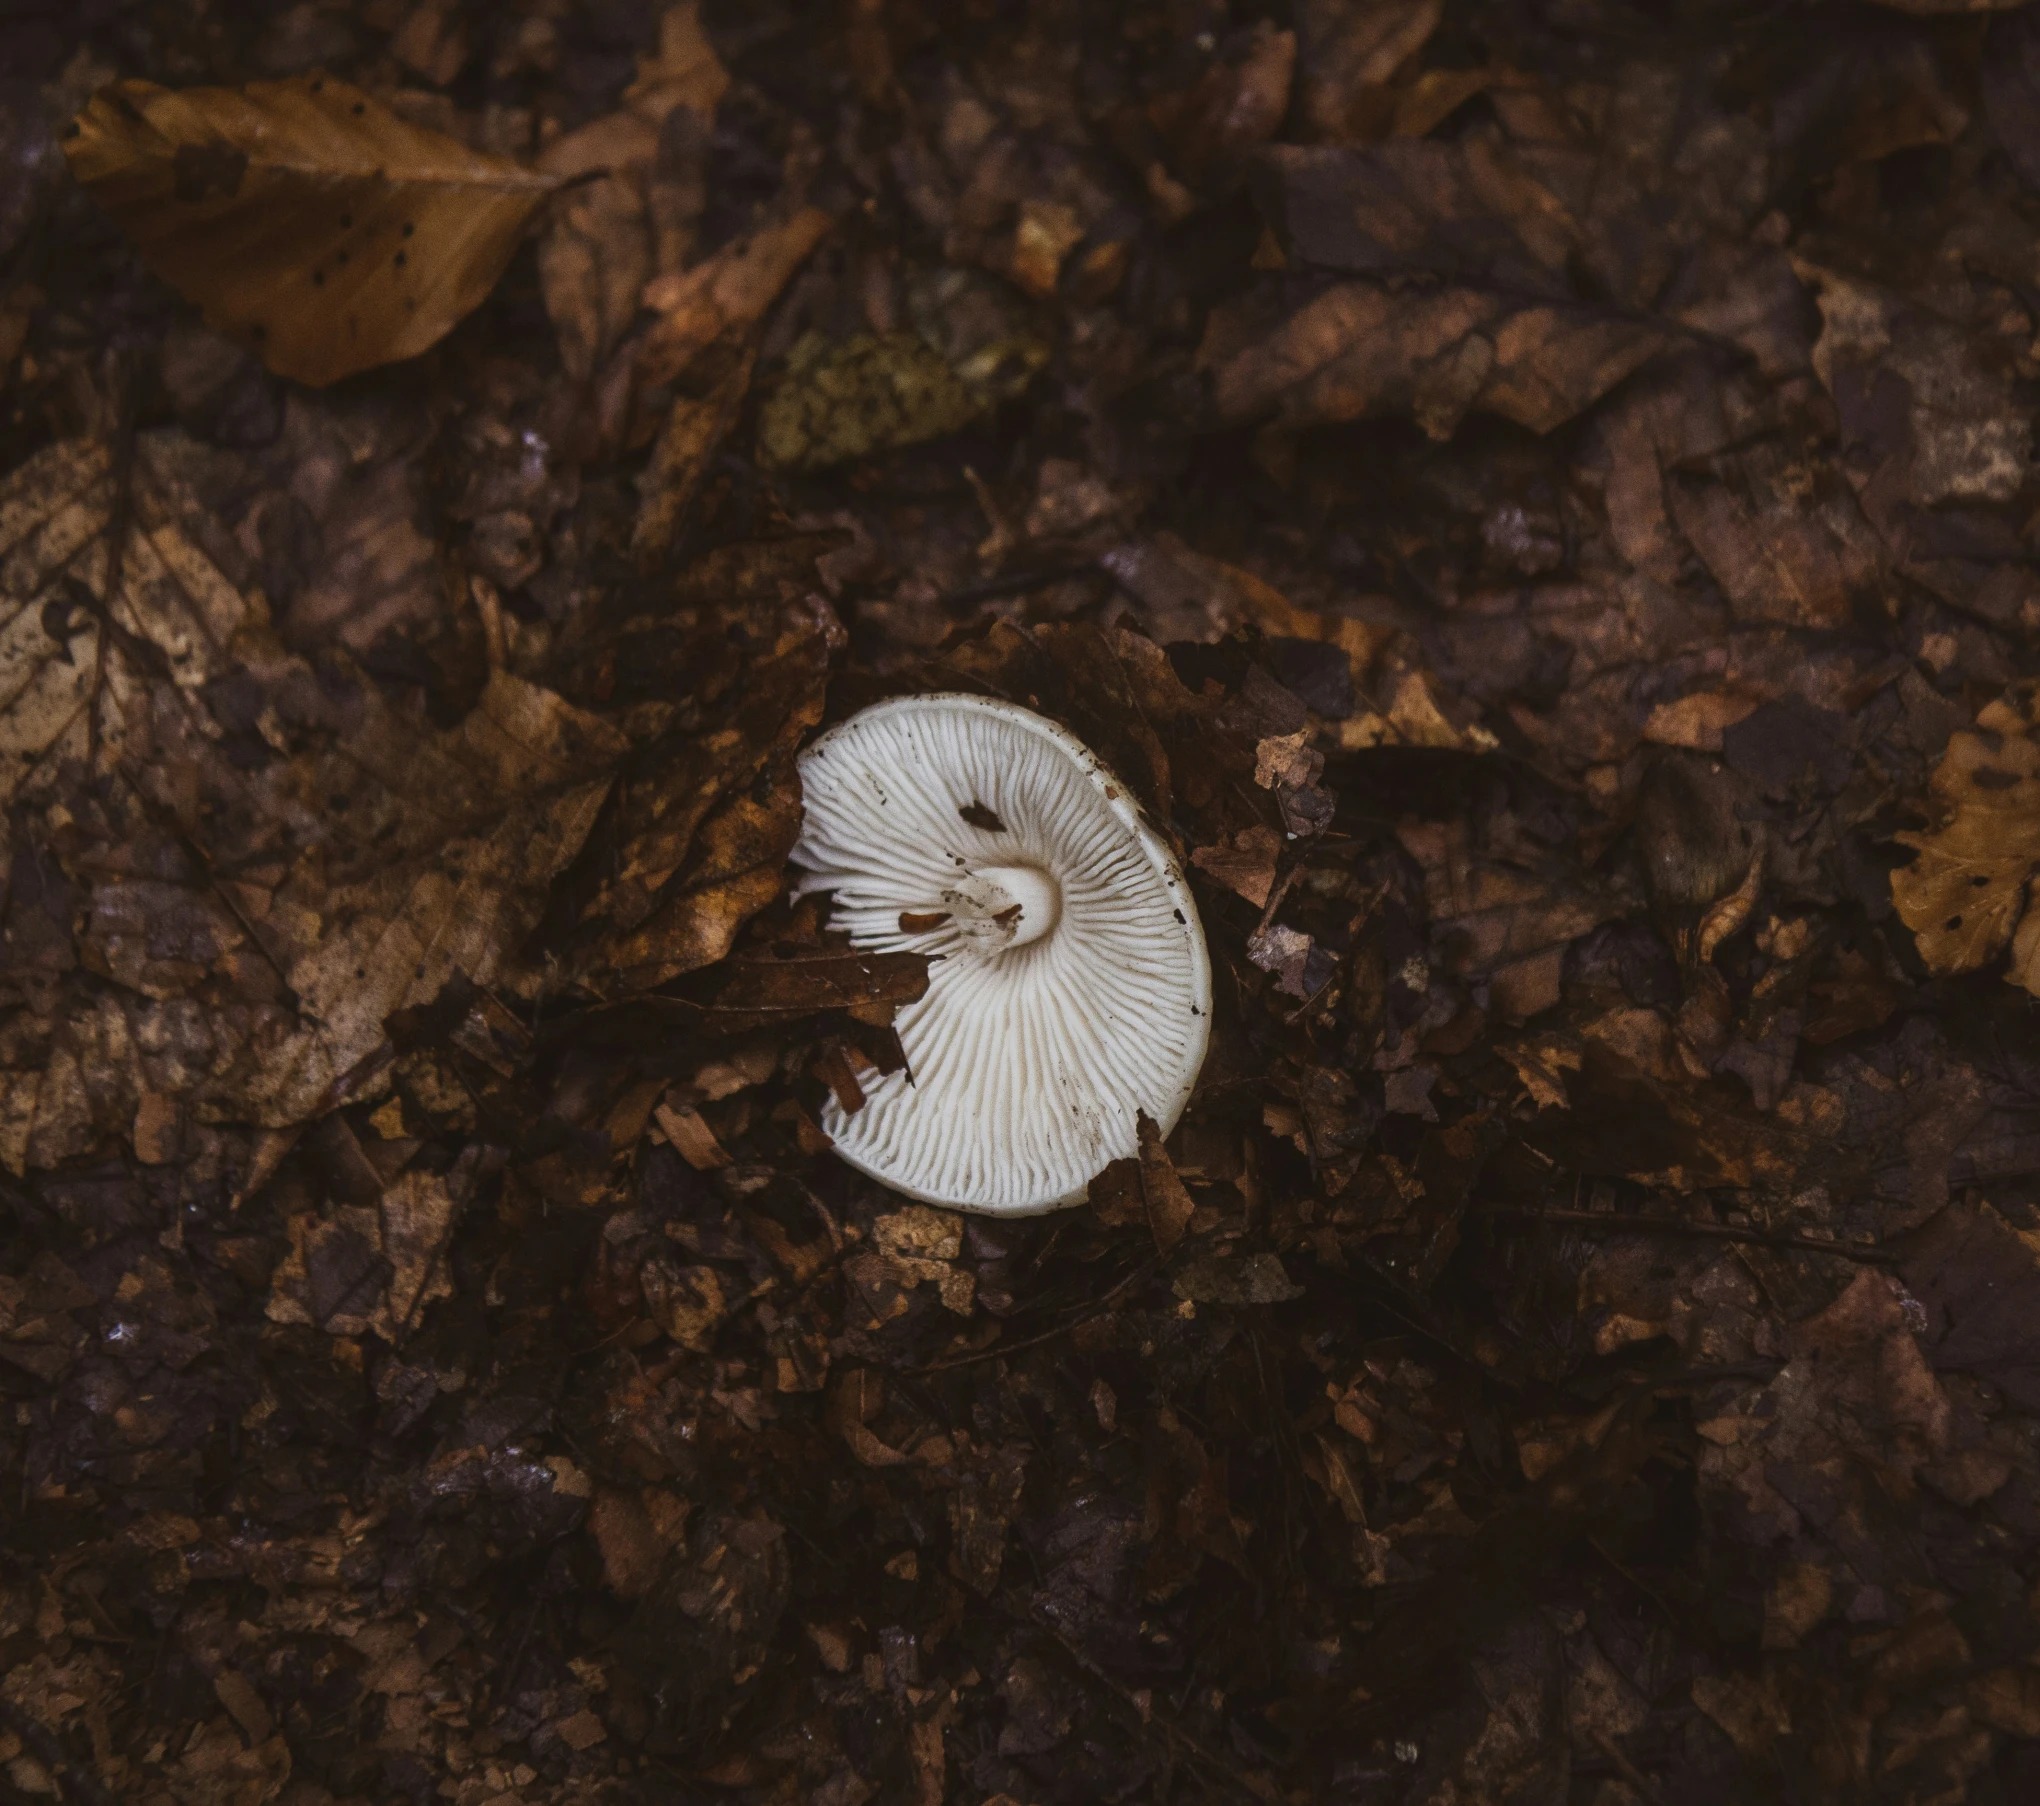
pixel 303 216
pixel 1965 894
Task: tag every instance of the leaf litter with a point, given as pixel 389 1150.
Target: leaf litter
pixel 1536 511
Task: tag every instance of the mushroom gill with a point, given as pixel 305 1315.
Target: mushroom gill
pixel 1070 989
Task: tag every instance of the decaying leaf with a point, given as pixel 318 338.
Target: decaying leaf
pixel 1964 896
pixel 866 396
pixel 303 216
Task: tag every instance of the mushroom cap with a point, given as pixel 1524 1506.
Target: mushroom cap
pixel 1070 988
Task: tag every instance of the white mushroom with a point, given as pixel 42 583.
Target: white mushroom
pixel 1070 989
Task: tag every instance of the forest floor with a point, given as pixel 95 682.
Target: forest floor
pixel 1537 501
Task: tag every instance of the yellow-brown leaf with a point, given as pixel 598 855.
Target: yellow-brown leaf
pixel 1963 895
pixel 303 216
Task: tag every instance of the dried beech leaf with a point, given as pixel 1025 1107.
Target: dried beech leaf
pixel 734 870
pixel 635 220
pixel 303 216
pixel 1962 897
pixel 1461 210
pixel 693 433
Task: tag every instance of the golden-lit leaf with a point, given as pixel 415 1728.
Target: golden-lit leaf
pixel 1962 897
pixel 303 216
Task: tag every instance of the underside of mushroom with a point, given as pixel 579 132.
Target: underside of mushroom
pixel 1069 989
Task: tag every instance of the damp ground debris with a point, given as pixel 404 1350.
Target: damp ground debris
pixel 1537 502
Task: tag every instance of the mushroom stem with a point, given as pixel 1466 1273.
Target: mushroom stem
pixel 1005 906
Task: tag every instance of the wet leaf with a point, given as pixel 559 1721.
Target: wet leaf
pixel 304 217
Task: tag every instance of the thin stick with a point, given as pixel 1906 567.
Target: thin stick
pixel 1633 1777
pixel 1713 1232
pixel 997 1349
pixel 1192 1744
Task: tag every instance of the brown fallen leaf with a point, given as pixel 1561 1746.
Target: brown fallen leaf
pixel 1463 209
pixel 733 871
pixel 1169 1205
pixel 1902 372
pixel 1964 897
pixel 686 1129
pixel 1347 52
pixel 1246 864
pixel 640 190
pixel 303 216
pixel 1237 102
pixel 1783 535
pixel 1362 348
pixel 372 1266
pixel 697 842
pixel 732 288
pixel 693 431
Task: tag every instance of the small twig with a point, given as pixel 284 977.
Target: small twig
pixel 119 519
pixel 1679 1621
pixel 997 1349
pixel 1253 1786
pixel 1018 583
pixel 1713 1232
